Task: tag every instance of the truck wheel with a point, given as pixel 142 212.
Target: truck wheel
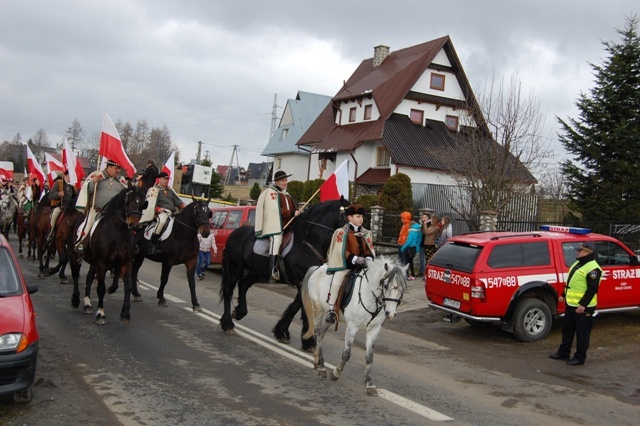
pixel 24 395
pixel 532 320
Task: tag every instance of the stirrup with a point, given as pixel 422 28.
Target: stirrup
pixel 331 317
pixel 79 249
pixel 275 274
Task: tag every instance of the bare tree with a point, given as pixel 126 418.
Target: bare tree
pixel 38 142
pixel 499 145
pixel 75 135
pixel 552 192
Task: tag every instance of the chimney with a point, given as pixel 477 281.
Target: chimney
pixel 379 54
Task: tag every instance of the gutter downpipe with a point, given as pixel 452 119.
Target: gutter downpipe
pixel 355 177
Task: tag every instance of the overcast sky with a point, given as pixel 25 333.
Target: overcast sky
pixel 209 70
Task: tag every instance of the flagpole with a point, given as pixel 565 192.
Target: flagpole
pixel 302 208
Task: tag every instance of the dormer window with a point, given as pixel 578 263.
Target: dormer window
pixel 437 81
pixel 367 112
pixel 451 121
pixel 417 116
pixel 352 115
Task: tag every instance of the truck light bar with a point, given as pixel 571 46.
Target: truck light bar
pixel 565 229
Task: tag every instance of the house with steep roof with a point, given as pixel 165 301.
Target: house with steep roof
pixel 408 111
pixel 297 116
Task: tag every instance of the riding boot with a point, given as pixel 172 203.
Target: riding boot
pixel 154 241
pixel 273 269
pixel 331 300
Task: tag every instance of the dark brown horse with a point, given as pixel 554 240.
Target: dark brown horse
pixel 312 231
pixel 39 227
pixel 111 246
pixel 180 247
pixel 23 236
pixel 65 236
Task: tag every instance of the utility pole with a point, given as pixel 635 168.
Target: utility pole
pixel 233 154
pixel 199 149
pixel 274 116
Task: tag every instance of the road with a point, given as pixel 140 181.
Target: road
pixel 172 366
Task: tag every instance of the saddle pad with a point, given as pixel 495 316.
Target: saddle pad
pixel 148 231
pixel 261 247
pixel 82 226
pixel 346 291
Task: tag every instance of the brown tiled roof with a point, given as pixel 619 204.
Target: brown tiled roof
pixel 388 84
pixel 374 176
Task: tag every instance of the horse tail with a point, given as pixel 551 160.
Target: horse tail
pixel 307 302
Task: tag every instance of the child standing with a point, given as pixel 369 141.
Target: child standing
pixel 411 247
pixel 204 255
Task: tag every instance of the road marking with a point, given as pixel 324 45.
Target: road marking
pixel 306 359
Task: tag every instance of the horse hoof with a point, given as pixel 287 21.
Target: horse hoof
pixel 88 310
pixel 125 321
pixel 111 290
pixel 101 321
pixel 230 332
pixel 322 373
pixel 372 391
pixel 137 298
pixel 20 257
pixel 283 340
pixel 309 350
pixel 334 377
pixel 162 304
pixel 233 314
pixel 64 281
pixel 197 308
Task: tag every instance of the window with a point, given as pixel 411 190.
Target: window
pixel 461 257
pixel 417 116
pixel 218 219
pixel 437 81
pixel 610 253
pixel 367 112
pixel 352 115
pixel 383 157
pixel 284 134
pixel 519 255
pixel 451 122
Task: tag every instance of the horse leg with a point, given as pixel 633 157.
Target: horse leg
pixel 125 314
pixel 114 283
pixel 88 309
pixel 372 335
pixel 164 277
pixel 75 277
pixel 137 263
pixel 349 335
pixel 191 271
pixel 101 290
pixel 227 286
pixel 244 285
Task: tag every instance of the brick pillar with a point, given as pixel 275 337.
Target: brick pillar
pixel 377 217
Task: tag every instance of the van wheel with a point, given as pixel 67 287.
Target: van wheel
pixel 532 320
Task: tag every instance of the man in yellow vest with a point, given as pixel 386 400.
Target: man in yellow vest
pixel 581 297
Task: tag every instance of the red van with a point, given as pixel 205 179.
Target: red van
pixel 223 222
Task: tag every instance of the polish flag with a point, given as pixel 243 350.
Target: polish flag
pixel 168 168
pixel 337 184
pixel 76 172
pixel 6 170
pixel 111 146
pixel 34 167
pixel 53 166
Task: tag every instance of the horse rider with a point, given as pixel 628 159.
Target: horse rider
pixel 57 194
pixel 105 184
pixel 351 247
pixel 274 209
pixel 164 202
pixel 31 196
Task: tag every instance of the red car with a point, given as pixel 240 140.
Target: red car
pixel 18 332
pixel 225 220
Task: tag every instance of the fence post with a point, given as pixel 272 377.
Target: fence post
pixel 488 220
pixel 377 217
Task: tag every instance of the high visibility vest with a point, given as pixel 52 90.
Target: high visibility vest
pixel 578 284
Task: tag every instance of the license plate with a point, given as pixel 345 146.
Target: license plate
pixel 451 303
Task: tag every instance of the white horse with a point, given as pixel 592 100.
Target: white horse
pixel 377 292
pixel 8 207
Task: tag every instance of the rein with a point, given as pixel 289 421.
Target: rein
pixel 198 224
pixel 379 299
pixel 315 251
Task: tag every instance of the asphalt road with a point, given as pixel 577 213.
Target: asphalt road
pixel 171 366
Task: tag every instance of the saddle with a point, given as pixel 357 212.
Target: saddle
pixel 261 246
pixel 346 291
pixel 168 227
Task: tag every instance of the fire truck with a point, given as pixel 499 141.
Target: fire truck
pixel 517 278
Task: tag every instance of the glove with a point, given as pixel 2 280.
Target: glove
pixel 361 261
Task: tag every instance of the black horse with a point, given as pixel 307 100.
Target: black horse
pixel 180 247
pixel 112 246
pixel 312 231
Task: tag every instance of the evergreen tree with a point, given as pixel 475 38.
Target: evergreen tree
pixel 602 178
pixel 255 191
pixel 397 195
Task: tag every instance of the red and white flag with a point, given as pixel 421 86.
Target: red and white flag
pixel 111 146
pixel 6 170
pixel 53 166
pixel 69 159
pixel 337 184
pixel 34 167
pixel 168 168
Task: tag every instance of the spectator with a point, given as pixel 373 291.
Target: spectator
pixel 425 220
pixel 204 254
pixel 411 247
pixel 404 233
pixel 447 231
pixel 430 233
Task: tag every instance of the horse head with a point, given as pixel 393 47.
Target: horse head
pixel 318 222
pixel 201 215
pixel 393 283
pixel 134 203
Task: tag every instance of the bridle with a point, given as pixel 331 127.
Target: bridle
pixel 198 223
pixel 381 299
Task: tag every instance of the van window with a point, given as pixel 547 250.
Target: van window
pixel 520 254
pixel 235 219
pixel 252 217
pixel 456 256
pixel 218 219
